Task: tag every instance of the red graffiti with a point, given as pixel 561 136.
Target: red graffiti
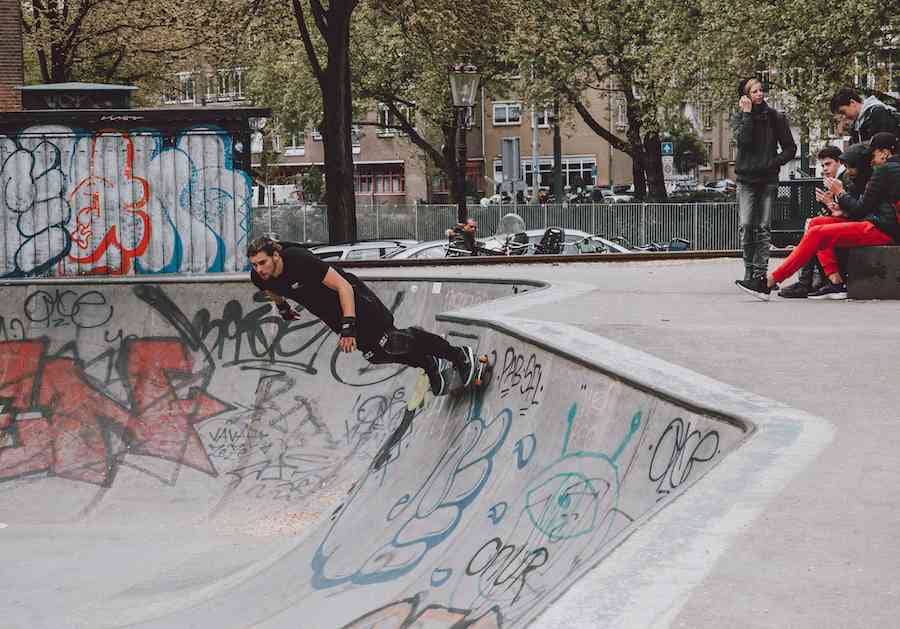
pixel 55 420
pixel 94 192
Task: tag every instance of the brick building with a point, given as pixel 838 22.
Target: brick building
pixel 12 73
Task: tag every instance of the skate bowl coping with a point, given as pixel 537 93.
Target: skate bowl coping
pixel 172 454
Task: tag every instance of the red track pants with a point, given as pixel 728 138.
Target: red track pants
pixel 823 235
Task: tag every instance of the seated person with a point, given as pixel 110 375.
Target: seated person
pixel 873 222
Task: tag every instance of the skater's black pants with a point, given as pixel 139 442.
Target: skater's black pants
pixel 408 346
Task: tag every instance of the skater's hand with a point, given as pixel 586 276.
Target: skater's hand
pixel 288 312
pixel 348 334
pixel 745 104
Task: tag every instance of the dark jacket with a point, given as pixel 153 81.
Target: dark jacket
pixel 877 202
pixel 874 117
pixel 758 135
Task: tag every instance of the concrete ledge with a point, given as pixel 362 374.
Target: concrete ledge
pixel 874 273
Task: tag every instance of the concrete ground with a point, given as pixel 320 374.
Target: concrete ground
pixel 824 551
pixel 793 528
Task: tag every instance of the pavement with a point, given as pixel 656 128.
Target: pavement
pixel 653 448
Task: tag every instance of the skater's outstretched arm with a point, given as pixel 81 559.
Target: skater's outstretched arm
pixel 342 287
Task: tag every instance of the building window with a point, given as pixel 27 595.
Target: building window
pixel 296 144
pixel 732 152
pixel 576 171
pixel 355 139
pixel 543 118
pixel 621 114
pixel 705 115
pixel 709 156
pixel 385 120
pixel 378 179
pixel 186 87
pixel 506 114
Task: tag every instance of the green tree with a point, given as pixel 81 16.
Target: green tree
pixel 312 183
pixel 803 50
pixel 124 41
pixel 689 151
pixel 580 48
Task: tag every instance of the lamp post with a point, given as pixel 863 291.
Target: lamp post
pixel 463 88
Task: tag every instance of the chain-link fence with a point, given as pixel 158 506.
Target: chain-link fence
pixel 708 226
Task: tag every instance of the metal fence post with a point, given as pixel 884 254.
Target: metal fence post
pixel 377 223
pixel 304 223
pixel 642 225
pixel 696 236
pixel 416 223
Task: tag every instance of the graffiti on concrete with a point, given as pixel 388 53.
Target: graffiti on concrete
pixel 115 203
pixel 419 519
pixel 57 421
pixel 409 614
pixel 678 449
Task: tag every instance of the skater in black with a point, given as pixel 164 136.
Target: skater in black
pixel 350 308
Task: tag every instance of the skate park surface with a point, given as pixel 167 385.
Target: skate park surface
pixel 174 456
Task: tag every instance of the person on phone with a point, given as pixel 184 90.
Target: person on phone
pixel 873 221
pixel 764 144
pixel 866 116
pixel 829 159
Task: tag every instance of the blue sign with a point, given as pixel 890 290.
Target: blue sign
pixel 668 148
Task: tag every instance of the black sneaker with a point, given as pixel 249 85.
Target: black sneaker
pixel 830 291
pixel 795 291
pixel 756 287
pixel 435 376
pixel 465 364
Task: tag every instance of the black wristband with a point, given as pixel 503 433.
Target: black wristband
pixel 283 306
pixel 348 327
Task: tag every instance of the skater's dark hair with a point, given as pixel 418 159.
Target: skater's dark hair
pixel 829 151
pixel 843 97
pixel 265 245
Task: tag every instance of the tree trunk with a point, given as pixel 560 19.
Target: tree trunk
pixel 334 82
pixel 656 183
pixel 337 144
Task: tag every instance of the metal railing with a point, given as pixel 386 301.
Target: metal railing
pixel 709 226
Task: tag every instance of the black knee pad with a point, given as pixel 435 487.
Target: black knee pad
pixel 400 342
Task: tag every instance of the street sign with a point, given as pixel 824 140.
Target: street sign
pixel 668 164
pixel 668 148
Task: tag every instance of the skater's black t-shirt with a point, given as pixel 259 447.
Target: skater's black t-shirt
pixel 301 281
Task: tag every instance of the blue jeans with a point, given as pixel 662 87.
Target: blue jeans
pixel 755 203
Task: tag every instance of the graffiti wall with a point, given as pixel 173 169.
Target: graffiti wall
pixel 195 405
pixel 122 200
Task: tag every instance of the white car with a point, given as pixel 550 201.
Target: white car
pixel 576 243
pixel 362 250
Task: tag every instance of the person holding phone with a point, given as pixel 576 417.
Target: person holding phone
pixel 764 144
pixel 873 221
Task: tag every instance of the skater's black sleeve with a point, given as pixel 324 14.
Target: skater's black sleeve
pixel 305 267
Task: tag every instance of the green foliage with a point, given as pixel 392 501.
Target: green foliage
pixel 313 184
pixel 689 150
pixel 120 41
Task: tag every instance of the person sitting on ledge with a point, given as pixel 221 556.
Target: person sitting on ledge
pixel 873 222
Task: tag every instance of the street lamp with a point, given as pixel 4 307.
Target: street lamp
pixel 464 89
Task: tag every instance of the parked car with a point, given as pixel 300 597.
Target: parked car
pixel 725 186
pixel 362 250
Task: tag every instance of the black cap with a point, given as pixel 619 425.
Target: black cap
pixel 742 85
pixel 884 140
pixel 857 156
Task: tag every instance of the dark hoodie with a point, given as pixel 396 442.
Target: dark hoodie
pixel 874 117
pixel 857 157
pixel 877 202
pixel 758 135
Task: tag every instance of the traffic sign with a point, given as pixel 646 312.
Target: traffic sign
pixel 668 148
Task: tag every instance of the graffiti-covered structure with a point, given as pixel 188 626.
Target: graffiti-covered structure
pixel 124 191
